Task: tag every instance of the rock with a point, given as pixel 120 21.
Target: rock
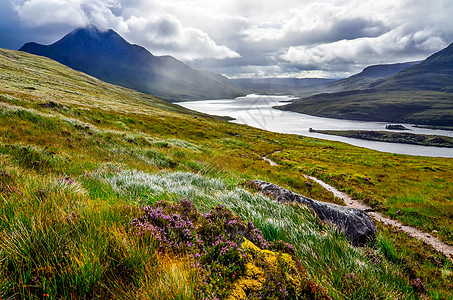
pixel 357 225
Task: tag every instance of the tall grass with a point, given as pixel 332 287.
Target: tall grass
pixel 58 242
pixel 346 271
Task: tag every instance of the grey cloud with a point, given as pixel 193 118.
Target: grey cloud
pixel 259 37
pixel 345 29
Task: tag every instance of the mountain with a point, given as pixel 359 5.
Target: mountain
pixel 370 74
pixel 420 94
pixel 303 87
pixel 107 56
pixel 433 74
pixel 279 84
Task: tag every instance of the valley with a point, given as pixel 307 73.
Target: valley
pixel 419 94
pixel 81 158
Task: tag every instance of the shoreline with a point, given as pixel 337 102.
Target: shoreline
pixel 393 137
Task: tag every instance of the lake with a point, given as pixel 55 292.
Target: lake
pixel 258 111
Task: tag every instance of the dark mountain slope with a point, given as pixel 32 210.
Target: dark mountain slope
pixel 107 56
pixel 433 74
pixel 421 94
pixel 370 74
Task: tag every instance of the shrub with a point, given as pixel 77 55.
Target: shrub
pixel 219 243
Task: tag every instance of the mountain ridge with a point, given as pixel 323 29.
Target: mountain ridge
pixel 369 75
pixel 420 94
pixel 109 57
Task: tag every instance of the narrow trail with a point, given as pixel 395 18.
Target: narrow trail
pixel 411 231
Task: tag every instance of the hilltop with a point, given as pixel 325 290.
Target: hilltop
pixel 107 56
pixel 420 94
pixel 107 192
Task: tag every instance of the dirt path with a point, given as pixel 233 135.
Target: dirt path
pixel 270 161
pixel 411 231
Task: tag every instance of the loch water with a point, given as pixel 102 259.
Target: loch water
pixel 258 111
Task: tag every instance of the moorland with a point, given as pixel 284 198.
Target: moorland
pixel 90 171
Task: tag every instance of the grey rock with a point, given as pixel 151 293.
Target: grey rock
pixel 357 225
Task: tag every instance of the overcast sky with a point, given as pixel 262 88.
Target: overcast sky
pixel 249 38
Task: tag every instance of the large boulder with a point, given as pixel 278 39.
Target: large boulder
pixel 357 225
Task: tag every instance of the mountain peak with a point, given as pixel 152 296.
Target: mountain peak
pixel 106 55
pixel 94 39
pixel 93 33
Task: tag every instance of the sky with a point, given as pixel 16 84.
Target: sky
pixel 249 38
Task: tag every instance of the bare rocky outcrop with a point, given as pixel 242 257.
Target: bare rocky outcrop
pixel 357 225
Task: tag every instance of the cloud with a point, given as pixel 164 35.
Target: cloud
pixel 68 12
pixel 161 33
pixel 239 38
pixel 166 33
pixel 397 45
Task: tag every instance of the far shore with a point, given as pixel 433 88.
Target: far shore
pixel 393 137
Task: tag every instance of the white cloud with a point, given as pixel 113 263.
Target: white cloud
pixel 165 33
pixel 393 46
pixel 67 12
pixel 45 12
pixel 329 36
pixel 161 33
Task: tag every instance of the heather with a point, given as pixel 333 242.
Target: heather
pixel 214 244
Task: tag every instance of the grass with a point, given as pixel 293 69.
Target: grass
pixel 74 176
pixel 423 107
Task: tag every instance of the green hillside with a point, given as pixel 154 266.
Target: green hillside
pixel 93 179
pixel 420 94
pixel 369 75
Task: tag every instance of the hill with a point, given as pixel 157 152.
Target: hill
pixel 107 56
pixel 433 74
pixel 106 192
pixel 420 94
pixel 284 86
pixel 368 75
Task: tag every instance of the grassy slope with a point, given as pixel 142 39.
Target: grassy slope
pixel 417 106
pixel 420 94
pixel 96 129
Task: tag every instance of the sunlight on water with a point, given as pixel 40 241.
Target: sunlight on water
pixel 258 111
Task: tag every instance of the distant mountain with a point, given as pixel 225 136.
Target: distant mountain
pixel 421 94
pixel 295 86
pixel 370 74
pixel 107 56
pixel 279 83
pixel 433 74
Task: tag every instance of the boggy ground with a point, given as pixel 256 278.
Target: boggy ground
pixel 80 158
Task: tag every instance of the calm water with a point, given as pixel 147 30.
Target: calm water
pixel 257 111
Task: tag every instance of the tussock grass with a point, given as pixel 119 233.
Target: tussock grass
pixel 343 269
pixel 75 190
